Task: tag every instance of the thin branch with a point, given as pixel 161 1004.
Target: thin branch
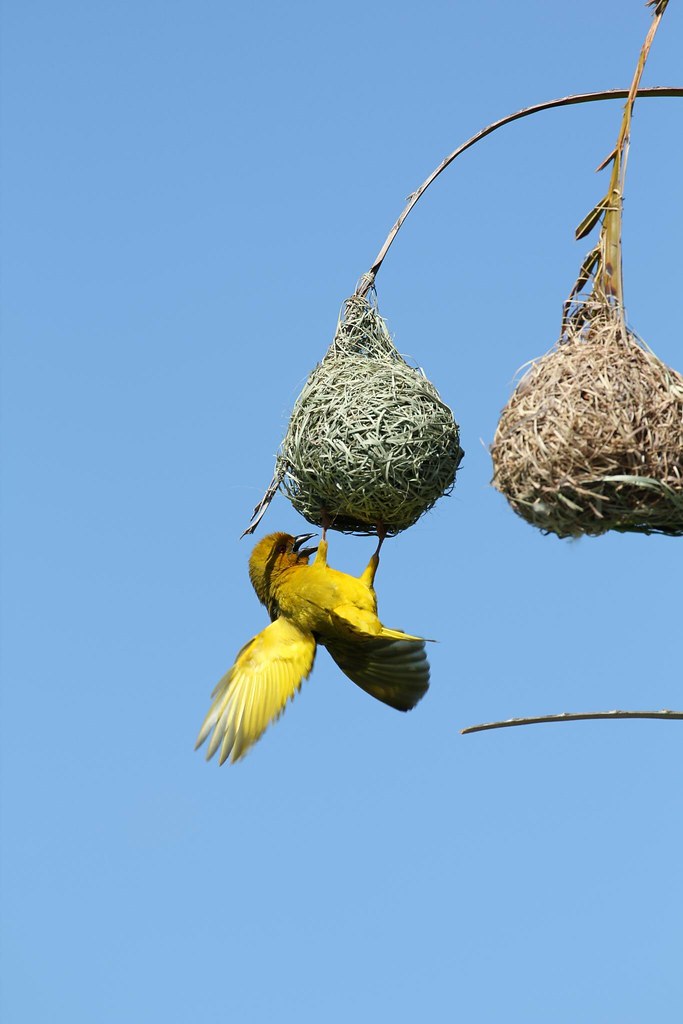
pixel 367 280
pixel 571 717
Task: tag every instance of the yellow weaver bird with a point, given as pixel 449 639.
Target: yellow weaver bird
pixel 309 605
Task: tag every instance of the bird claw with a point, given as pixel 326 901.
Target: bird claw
pixel 381 536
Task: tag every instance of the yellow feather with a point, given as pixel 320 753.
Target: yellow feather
pixel 268 672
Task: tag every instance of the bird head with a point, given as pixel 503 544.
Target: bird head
pixel 271 556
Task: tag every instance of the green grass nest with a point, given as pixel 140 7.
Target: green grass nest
pixel 370 443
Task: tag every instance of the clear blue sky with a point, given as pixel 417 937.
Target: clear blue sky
pixel 191 189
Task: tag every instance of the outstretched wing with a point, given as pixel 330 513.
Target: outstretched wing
pixel 268 672
pixel 393 671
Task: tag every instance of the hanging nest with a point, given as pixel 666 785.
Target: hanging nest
pixel 370 443
pixel 592 438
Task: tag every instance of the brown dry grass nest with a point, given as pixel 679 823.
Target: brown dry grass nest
pixel 369 441
pixel 592 438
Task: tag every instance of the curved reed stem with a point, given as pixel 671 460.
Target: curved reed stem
pixel 368 279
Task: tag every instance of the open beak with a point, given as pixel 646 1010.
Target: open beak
pixel 301 539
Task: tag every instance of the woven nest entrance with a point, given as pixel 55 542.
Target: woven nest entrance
pixel 370 442
pixel 592 438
